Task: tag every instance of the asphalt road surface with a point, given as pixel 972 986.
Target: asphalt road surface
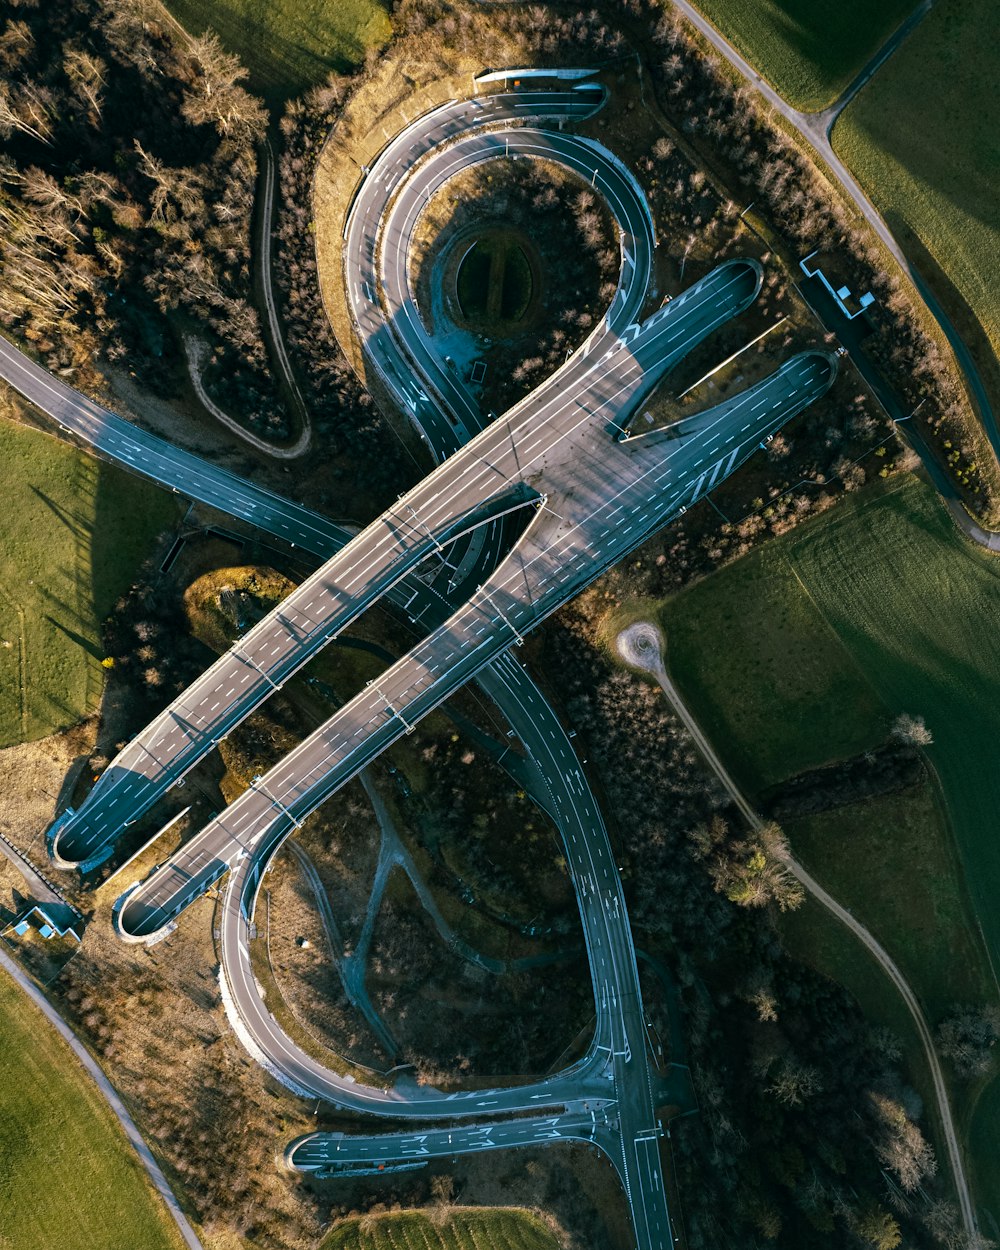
pixel 365 570
pixel 735 430
pixel 561 453
pixel 336 1154
pixel 598 499
pixel 556 447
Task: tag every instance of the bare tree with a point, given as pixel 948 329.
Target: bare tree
pixel 968 1036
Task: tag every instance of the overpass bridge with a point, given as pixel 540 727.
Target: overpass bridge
pixel 593 500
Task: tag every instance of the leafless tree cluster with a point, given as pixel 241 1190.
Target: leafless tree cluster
pixel 344 415
pixel 968 1037
pixel 484 834
pixel 126 187
pixel 453 1018
pixel 198 1114
pixel 801 1103
pixel 750 871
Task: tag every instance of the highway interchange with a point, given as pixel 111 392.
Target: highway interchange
pixel 551 455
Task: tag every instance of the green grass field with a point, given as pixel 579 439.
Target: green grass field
pixel 68 1176
pixel 922 140
pixel 772 685
pixel 809 50
pixel 928 926
pixel 468 1228
pixel 289 45
pixel 878 607
pixel 75 532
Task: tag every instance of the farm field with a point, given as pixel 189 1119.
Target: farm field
pixel 772 686
pixel 926 922
pixel 69 1176
pixel 809 50
pixel 75 533
pixel 470 1228
pixel 903 613
pixel 289 45
pixel 922 140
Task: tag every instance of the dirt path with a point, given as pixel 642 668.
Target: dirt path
pixel 196 350
pixel 641 645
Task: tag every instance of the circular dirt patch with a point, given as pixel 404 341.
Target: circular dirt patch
pixel 493 280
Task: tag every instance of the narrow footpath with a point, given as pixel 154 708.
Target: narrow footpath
pixel 641 646
pixel 146 1157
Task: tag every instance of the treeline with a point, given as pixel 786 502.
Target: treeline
pixel 126 189
pixel 807 1133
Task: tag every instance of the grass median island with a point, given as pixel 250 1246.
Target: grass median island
pixel 461 1228
pixel 289 45
pixel 494 281
pixel 809 50
pixel 69 1176
pixel 922 140
pixel 75 533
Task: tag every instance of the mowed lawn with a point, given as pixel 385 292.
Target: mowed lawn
pixel 468 1228
pixel 74 534
pixel 878 607
pixel 808 50
pixel 68 1176
pixel 923 138
pixel 289 45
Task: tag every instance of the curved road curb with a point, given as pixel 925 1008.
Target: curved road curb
pixel 111 1096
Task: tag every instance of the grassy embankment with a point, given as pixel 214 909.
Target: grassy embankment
pixel 75 532
pixel 289 45
pixel 69 1178
pixel 808 51
pixel 500 1228
pixel 804 652
pixel 922 140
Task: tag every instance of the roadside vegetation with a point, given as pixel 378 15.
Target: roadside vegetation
pixel 800 1151
pixel 443 1228
pixel 75 533
pixel 792 1154
pixel 126 191
pixel 921 139
pixel 70 1177
pixel 805 652
pixel 289 45
pixel 808 52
